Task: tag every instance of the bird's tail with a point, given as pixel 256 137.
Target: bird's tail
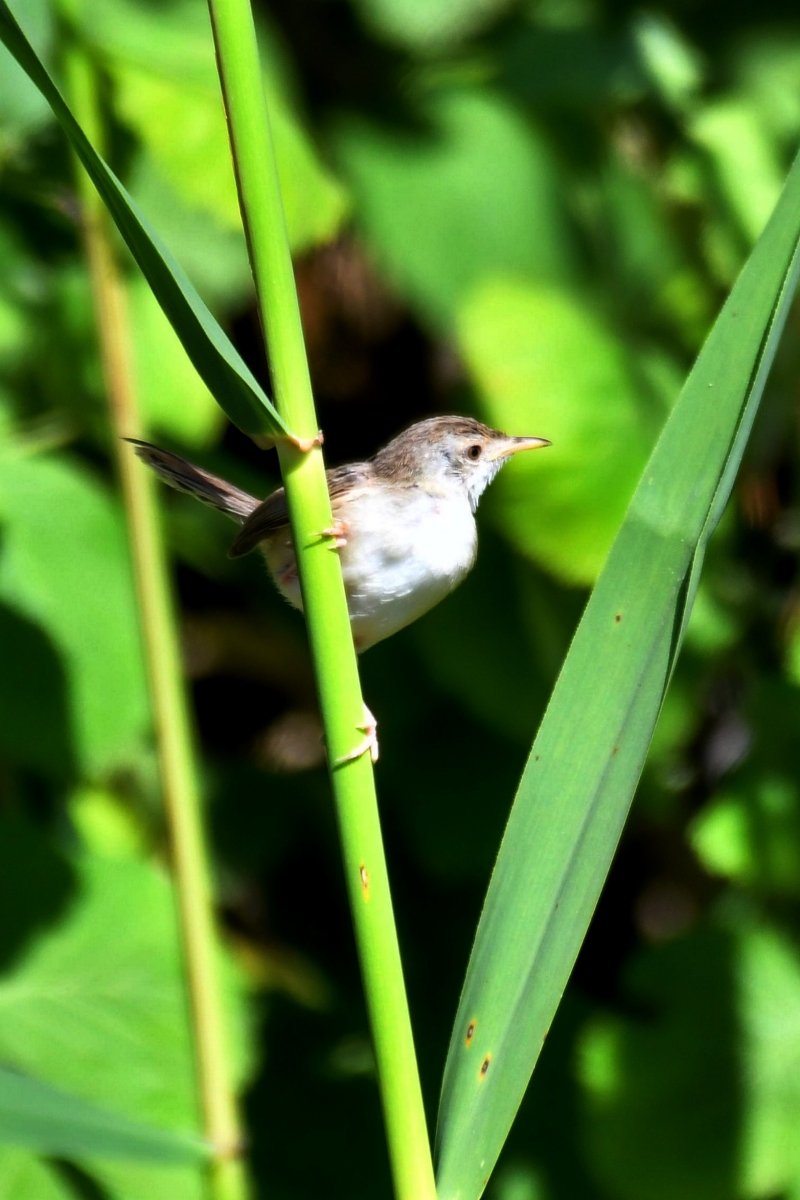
pixel 186 477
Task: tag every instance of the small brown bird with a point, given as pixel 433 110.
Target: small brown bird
pixel 403 521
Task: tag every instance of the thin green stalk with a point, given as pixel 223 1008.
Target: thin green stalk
pixel 324 602
pixel 168 698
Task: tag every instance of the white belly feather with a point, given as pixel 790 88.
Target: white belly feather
pixel 402 557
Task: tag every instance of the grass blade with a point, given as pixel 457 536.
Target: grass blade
pixel 173 726
pixel 212 353
pixel 41 1117
pixel 325 606
pixel 586 761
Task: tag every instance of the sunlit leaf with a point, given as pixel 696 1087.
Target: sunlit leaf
pixel 212 353
pixel 22 107
pixel 475 196
pixel 752 835
pixel 673 65
pixel 23 1174
pixel 54 1122
pixel 185 131
pixel 97 1007
pixel 767 67
pixel 214 258
pixel 171 99
pixel 64 567
pixel 745 160
pixel 164 373
pixel 547 365
pixel 424 25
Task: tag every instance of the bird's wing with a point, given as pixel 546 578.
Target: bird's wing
pixel 272 515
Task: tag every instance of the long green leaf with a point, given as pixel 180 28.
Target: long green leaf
pixel 215 358
pixel 589 752
pixel 36 1115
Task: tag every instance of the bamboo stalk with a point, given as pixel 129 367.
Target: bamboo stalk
pixel 168 698
pixel 324 602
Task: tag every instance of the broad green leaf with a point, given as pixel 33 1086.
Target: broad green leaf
pixel 547 365
pixel 97 1005
pixel 745 159
pixel 315 203
pixel 213 355
pixel 752 835
pixel 22 1174
pixel 106 824
pixel 588 754
pixel 164 372
pixel 54 1122
pixel 767 69
pixel 426 26
pixel 172 101
pixel 23 109
pixel 186 134
pixel 214 258
pixel 674 66
pixel 97 1008
pixel 64 568
pixel 475 196
pixel 701 1098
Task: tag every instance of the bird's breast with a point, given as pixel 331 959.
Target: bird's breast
pixel 405 551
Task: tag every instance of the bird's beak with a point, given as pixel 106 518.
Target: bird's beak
pixel 515 444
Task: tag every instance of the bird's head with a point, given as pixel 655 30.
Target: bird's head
pixel 444 453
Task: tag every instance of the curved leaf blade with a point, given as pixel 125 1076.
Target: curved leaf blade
pixel 587 757
pixel 43 1118
pixel 215 358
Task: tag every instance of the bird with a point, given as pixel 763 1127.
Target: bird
pixel 403 521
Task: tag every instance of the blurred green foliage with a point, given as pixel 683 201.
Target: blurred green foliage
pixel 530 211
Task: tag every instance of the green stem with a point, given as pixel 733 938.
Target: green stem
pixel 324 601
pixel 168 698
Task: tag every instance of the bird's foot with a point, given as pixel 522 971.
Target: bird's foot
pixel 338 531
pixel 368 743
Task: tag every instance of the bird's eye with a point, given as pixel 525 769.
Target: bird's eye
pixel 474 452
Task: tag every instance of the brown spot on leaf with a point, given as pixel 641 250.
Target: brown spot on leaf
pixel 485 1066
pixel 618 618
pixel 364 874
pixel 470 1033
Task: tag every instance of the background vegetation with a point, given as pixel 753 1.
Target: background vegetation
pixel 527 212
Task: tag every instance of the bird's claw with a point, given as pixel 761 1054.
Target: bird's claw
pixel 368 743
pixel 338 531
